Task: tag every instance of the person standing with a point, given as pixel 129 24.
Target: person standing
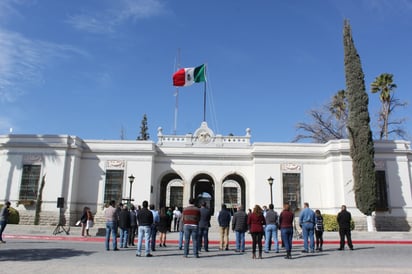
pixel 156 220
pixel 163 226
pixel 224 224
pixel 286 218
pixel 256 222
pixel 204 224
pixel 307 223
pixel 145 220
pixel 124 224
pixel 169 213
pixel 111 225
pixel 318 230
pixel 4 217
pixel 191 217
pixel 133 225
pixel 176 218
pixel 180 228
pixel 344 217
pixel 89 222
pixel 239 226
pixel 271 229
pixel 83 220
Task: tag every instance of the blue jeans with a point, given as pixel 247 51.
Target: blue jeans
pixel 111 228
pixel 153 237
pixel 203 235
pixel 143 231
pixel 181 233
pixel 124 237
pixel 191 230
pixel 240 240
pixel 287 237
pixel 271 230
pixel 308 231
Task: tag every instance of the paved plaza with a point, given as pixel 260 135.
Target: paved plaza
pixel 31 249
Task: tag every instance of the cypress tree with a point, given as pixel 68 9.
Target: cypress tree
pixel 144 134
pixel 360 134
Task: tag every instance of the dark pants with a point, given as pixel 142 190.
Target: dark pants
pixel 345 232
pixel 203 237
pixel 257 240
pixel 132 234
pixel 287 237
pixel 319 238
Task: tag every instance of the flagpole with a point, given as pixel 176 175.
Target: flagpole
pixel 204 103
pixel 176 94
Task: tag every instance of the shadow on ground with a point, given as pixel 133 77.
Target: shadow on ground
pixel 40 254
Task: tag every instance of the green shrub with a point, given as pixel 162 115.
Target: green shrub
pixel 331 224
pixel 14 217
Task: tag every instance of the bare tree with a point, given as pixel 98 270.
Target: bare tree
pixel 328 122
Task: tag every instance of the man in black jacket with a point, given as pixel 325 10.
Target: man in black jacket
pixel 344 218
pixel 224 223
pixel 204 224
pixel 145 220
pixel 239 226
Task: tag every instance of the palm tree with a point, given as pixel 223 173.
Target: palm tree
pixel 385 85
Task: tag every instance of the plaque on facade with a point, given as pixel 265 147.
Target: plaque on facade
pixel 291 167
pixel 115 164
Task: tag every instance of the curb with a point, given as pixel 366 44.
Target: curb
pixel 211 242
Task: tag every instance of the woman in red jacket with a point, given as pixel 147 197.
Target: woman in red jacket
pixel 256 222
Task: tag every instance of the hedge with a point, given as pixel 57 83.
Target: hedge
pixel 14 217
pixel 331 224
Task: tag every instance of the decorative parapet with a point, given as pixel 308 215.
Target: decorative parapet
pixel 203 137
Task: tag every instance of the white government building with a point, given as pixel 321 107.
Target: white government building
pixel 207 166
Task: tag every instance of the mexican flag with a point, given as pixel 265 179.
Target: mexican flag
pixel 188 76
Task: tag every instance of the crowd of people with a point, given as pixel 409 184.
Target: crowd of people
pixel 193 223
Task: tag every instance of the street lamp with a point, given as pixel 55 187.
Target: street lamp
pixel 131 180
pixel 270 181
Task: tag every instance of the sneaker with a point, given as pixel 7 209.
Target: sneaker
pixel 340 248
pixel 116 249
pixel 138 255
pixel 149 255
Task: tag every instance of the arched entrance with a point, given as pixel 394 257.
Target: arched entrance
pixel 233 191
pixel 203 190
pixel 171 192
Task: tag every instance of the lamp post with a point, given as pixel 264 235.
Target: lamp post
pixel 131 180
pixel 270 181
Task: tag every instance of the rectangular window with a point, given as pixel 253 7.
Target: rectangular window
pixel 113 186
pixel 291 190
pixel 30 182
pixel 381 191
pixel 176 196
pixel 230 196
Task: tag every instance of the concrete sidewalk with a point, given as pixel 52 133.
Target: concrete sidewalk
pixel 74 234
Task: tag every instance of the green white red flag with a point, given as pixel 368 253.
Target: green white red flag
pixel 187 76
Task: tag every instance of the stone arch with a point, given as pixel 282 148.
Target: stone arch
pixel 202 188
pixel 171 190
pixel 233 191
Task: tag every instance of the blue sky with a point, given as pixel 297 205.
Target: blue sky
pixel 92 67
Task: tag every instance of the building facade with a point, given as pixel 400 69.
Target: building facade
pixel 204 165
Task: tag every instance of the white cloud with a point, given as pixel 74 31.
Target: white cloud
pixel 22 62
pixel 114 15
